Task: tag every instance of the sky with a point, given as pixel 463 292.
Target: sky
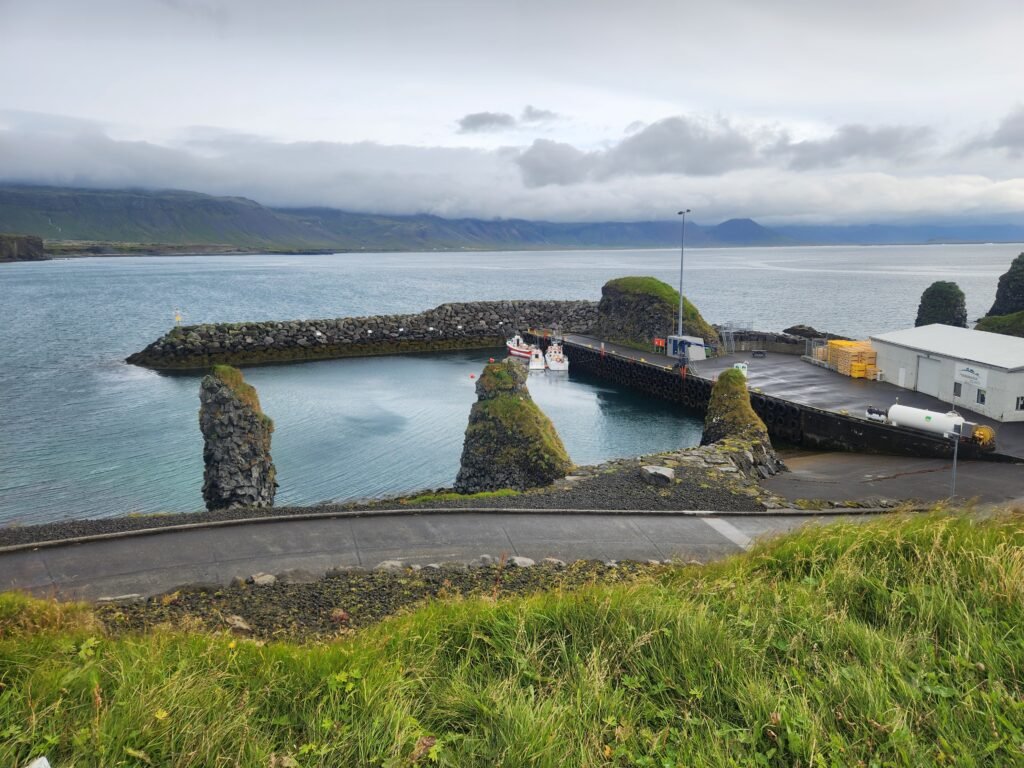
pixel 786 111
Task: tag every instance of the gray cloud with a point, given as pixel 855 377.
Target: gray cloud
pixel 532 114
pixel 695 147
pixel 1008 135
pixel 893 143
pixel 478 122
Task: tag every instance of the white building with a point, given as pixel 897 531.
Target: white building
pixel 977 370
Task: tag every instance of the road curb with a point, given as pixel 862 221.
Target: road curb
pixel 358 513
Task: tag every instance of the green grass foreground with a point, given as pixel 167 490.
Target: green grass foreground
pixel 891 642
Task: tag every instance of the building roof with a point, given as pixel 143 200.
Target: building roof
pixel 992 349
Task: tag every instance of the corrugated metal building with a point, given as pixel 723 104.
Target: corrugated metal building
pixel 977 370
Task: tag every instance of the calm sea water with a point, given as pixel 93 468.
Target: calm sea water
pixel 83 434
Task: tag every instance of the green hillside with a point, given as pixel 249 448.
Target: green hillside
pixel 189 218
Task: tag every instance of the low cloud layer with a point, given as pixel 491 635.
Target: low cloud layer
pixel 718 167
pixel 696 147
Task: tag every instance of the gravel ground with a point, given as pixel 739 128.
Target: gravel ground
pixel 344 601
pixel 614 485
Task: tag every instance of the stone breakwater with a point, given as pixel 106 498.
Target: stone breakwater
pixel 469 325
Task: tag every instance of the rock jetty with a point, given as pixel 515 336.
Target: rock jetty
pixel 636 310
pixel 732 426
pixel 510 443
pixel 236 433
pixel 468 325
pixel 21 248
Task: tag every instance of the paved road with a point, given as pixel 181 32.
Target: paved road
pixel 156 563
pixel 843 476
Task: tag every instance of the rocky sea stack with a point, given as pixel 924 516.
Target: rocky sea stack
pixel 942 302
pixel 732 425
pixel 236 451
pixel 636 310
pixel 510 443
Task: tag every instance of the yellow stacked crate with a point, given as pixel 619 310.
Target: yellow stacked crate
pixel 852 358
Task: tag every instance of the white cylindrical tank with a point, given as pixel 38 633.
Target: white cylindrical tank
pixel 927 421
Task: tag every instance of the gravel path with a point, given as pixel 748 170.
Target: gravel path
pixel 613 485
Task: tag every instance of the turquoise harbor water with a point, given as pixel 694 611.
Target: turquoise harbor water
pixel 84 435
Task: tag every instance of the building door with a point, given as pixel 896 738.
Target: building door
pixel 928 376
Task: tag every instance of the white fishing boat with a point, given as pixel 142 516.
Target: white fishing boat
pixel 556 359
pixel 537 362
pixel 518 348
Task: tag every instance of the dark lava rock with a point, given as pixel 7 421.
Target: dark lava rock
pixel 510 443
pixel 1010 292
pixel 21 248
pixel 239 471
pixel 809 332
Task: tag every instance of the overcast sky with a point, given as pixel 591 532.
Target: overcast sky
pixel 782 110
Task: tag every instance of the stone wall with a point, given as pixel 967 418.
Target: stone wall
pixel 471 325
pixel 236 450
pixel 786 421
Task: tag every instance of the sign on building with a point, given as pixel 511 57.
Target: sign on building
pixel 971 374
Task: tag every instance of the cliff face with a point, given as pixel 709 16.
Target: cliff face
pixel 509 442
pixel 21 248
pixel 1010 291
pixel 733 427
pixel 236 451
pixel 635 310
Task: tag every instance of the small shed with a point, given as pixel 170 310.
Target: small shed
pixel 977 370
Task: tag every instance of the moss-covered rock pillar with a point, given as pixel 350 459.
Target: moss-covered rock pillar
pixel 732 425
pixel 236 450
pixel 510 443
pixel 635 310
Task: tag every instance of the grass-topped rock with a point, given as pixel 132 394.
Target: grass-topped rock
pixel 732 425
pixel 21 248
pixel 1008 325
pixel 509 443
pixel 635 310
pixel 236 434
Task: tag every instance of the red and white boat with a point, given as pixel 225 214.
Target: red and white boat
pixel 518 348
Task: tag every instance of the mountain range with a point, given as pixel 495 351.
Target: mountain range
pixel 179 219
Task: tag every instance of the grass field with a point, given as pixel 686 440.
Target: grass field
pixel 892 642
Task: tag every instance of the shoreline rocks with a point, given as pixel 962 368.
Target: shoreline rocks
pixel 468 325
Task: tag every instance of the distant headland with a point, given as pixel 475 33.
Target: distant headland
pixel 76 221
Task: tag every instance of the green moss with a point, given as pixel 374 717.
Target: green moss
pixel 730 418
pixel 650 286
pixel 1008 325
pixel 635 309
pixel 246 393
pixel 431 498
pixel 522 417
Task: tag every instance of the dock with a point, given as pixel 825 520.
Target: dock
pixel 800 403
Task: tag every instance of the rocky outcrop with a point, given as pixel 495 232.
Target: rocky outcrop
pixel 21 248
pixel 1010 291
pixel 636 310
pixel 450 326
pixel 942 302
pixel 810 332
pixel 509 442
pixel 732 426
pixel 236 451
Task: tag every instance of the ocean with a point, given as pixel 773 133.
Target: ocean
pixel 82 434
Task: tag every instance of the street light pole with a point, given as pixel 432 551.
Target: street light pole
pixel 682 253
